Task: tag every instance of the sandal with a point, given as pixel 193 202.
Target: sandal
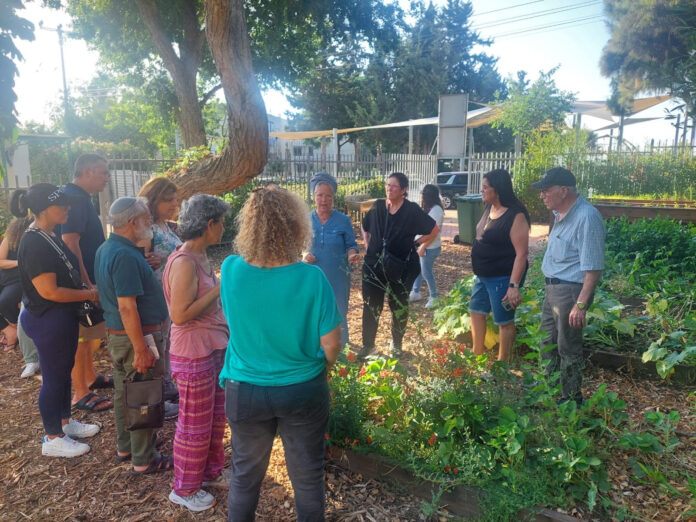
pixel 102 381
pixel 90 402
pixel 122 458
pixel 6 347
pixel 161 464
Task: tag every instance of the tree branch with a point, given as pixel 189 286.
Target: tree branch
pixel 209 94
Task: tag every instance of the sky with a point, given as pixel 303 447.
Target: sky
pixel 527 35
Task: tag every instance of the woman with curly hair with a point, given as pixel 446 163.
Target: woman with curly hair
pixel 284 332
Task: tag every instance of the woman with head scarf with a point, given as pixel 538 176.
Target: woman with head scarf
pixel 334 247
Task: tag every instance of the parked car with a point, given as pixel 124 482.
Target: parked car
pixel 452 184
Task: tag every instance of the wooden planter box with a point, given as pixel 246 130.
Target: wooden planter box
pixel 634 365
pixel 634 212
pixel 462 501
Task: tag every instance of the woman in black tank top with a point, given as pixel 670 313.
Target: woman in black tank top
pixel 499 260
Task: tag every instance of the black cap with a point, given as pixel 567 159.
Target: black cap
pixel 43 195
pixel 556 176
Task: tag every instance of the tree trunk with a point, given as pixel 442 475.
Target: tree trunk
pixel 182 67
pixel 247 150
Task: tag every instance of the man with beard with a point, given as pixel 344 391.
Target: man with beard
pixel 134 308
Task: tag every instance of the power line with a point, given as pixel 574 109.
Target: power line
pixel 505 8
pixel 545 26
pixel 554 29
pixel 539 14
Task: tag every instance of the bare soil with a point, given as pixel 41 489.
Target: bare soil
pixel 95 488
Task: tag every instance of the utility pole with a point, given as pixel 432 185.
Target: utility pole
pixel 66 99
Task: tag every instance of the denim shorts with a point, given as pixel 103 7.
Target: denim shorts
pixel 487 294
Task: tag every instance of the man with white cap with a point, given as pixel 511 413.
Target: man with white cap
pixel 572 266
pixel 134 307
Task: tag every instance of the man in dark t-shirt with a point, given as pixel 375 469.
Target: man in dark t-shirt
pixel 83 234
pixel 391 262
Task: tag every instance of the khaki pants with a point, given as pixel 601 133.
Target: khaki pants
pixel 140 443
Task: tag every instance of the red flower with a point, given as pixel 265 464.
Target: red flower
pixel 383 374
pixel 455 471
pixel 462 348
pixel 346 440
pixel 457 372
pixel 431 440
pixel 441 351
pixel 447 468
pixel 342 372
pixel 362 371
pixel 350 357
pixel 355 442
pixel 369 439
pixel 326 436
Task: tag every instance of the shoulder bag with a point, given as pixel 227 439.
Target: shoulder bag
pixel 88 313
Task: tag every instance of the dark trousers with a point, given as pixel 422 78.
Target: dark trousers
pixel 10 296
pixel 300 412
pixel 567 356
pixel 375 284
pixel 55 335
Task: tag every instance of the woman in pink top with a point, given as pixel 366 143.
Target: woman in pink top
pixel 199 336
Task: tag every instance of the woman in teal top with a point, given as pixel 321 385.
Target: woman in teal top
pixel 333 245
pixel 284 332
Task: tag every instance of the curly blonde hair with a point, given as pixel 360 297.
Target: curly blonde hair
pixel 273 228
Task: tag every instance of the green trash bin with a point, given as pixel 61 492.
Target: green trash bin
pixel 469 211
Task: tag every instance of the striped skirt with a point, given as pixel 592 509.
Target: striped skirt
pixel 198 451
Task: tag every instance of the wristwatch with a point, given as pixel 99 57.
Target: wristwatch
pixel 515 285
pixel 581 306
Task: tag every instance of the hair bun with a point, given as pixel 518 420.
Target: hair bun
pixel 18 203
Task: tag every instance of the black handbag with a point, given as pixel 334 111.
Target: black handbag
pixel 143 403
pixel 88 313
pixel 394 267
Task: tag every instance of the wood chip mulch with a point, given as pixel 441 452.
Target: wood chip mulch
pixel 95 488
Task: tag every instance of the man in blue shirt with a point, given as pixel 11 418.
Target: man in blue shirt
pixel 572 266
pixel 134 308
pixel 83 233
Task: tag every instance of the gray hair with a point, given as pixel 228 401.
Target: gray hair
pixel 86 162
pixel 124 209
pixel 196 212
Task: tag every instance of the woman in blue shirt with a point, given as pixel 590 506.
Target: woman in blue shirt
pixel 333 244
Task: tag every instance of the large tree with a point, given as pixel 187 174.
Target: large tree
pixel 385 82
pixel 11 26
pixel 284 40
pixel 652 47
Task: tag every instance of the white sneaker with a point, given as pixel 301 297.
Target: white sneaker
pixel 430 303
pixel 30 369
pixel 77 430
pixel 199 501
pixel 63 447
pixel 414 296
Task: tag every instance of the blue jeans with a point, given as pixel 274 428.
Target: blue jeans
pixel 487 295
pixel 300 412
pixel 426 272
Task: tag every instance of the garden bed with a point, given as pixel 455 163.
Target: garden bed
pixel 633 365
pixel 462 501
pixel 634 212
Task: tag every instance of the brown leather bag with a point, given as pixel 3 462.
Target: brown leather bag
pixel 144 403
